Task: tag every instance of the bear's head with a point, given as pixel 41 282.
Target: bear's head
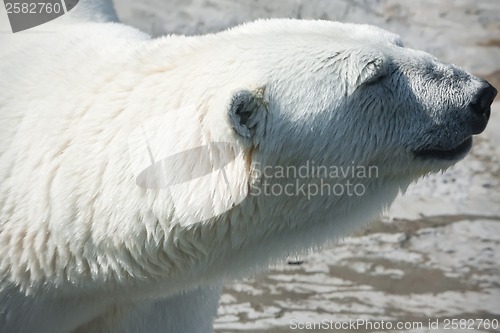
pixel 347 102
pixel 345 94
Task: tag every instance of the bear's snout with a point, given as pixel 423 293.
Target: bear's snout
pixel 481 106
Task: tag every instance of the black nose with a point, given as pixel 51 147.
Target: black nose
pixel 481 105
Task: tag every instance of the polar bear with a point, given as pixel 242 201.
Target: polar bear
pixel 132 169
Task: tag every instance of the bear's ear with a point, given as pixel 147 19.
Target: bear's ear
pixel 247 110
pixel 371 71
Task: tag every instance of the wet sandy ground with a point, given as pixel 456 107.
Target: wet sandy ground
pixel 432 268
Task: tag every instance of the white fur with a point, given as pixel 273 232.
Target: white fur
pixel 83 248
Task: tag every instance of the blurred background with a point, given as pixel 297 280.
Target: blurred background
pixel 436 253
